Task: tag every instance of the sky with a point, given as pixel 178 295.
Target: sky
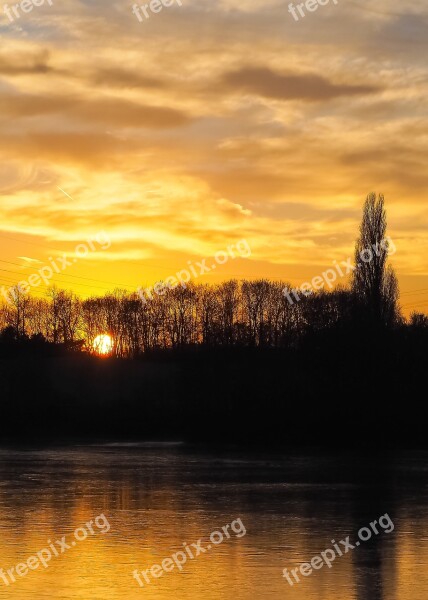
pixel 209 123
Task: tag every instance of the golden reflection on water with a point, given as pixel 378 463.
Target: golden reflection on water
pixel 157 499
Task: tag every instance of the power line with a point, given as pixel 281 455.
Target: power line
pixel 56 250
pixel 65 274
pixel 129 286
pixel 145 266
pixel 93 287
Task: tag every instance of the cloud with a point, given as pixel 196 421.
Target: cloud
pixel 116 112
pixel 124 113
pixel 124 78
pixel 24 63
pixel 263 81
pixel 212 122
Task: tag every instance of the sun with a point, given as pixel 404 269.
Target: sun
pixel 103 344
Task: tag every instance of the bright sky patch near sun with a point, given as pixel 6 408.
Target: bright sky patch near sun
pixel 209 123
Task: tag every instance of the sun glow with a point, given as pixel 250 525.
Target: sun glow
pixel 103 344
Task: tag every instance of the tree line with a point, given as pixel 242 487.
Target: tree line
pixel 233 313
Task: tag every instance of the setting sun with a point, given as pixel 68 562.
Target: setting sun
pixel 103 344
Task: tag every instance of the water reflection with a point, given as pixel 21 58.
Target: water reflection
pixel 156 499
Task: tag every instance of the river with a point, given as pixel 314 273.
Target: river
pixel 147 502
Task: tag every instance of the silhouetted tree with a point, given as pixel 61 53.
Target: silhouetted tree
pixel 419 320
pixel 258 313
pixel 374 282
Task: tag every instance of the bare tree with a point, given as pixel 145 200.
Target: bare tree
pixel 419 320
pixel 229 299
pixel 17 312
pixel 374 282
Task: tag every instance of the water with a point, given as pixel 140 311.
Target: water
pixel 155 498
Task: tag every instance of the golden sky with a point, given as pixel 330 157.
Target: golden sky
pixel 209 123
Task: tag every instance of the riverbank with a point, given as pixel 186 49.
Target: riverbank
pixel 323 393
